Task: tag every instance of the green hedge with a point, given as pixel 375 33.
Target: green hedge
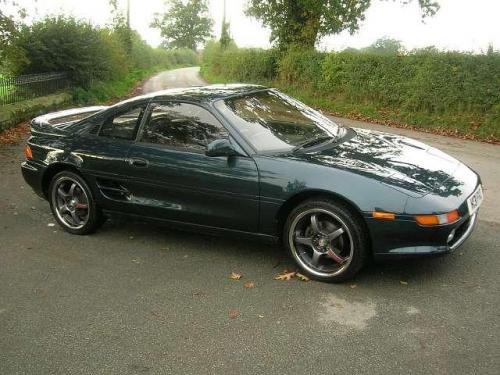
pixel 241 65
pixel 458 92
pixel 429 82
pixel 301 67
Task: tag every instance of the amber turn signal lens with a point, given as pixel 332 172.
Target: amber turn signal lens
pixel 383 215
pixel 453 216
pixel 28 153
pixel 429 220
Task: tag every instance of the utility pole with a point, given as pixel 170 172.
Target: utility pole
pixel 128 40
pixel 224 19
pixel 225 38
pixel 128 13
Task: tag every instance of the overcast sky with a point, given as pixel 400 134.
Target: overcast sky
pixel 467 25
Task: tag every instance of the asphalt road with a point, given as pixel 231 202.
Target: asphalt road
pixel 137 298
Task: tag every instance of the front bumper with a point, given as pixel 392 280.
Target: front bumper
pixel 404 237
pixel 463 232
pixel 425 241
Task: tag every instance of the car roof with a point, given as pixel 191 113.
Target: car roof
pixel 200 93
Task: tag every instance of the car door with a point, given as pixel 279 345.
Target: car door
pixel 174 179
pixel 104 154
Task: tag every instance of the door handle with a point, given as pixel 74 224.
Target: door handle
pixel 140 163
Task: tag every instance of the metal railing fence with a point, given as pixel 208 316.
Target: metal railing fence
pixel 20 88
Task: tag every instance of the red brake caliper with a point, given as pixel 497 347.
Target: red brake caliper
pixel 334 256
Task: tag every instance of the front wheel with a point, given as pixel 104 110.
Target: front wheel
pixel 326 239
pixel 73 205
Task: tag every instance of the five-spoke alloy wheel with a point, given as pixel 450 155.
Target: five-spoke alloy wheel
pixel 72 204
pixel 326 240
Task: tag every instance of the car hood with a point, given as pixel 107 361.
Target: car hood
pixel 403 163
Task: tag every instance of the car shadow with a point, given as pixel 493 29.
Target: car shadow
pixel 259 252
pixel 164 234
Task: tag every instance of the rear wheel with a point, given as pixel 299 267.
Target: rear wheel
pixel 73 205
pixel 326 239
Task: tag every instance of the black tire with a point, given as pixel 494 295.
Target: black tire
pixel 331 247
pixel 68 209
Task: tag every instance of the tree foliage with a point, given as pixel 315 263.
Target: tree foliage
pixel 62 43
pixel 88 53
pixel 185 24
pixel 384 46
pixel 9 23
pixel 303 22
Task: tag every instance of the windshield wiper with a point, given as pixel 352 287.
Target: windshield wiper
pixel 314 142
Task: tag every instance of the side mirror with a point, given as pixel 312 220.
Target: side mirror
pixel 221 147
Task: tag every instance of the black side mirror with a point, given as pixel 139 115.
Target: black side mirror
pixel 221 147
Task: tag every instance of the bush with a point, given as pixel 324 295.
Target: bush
pixel 242 65
pixel 57 44
pixel 88 53
pixel 429 82
pixel 301 66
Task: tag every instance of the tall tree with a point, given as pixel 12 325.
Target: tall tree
pixel 385 46
pixel 303 22
pixel 184 24
pixel 11 57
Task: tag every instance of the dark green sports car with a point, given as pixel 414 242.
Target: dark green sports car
pixel 251 161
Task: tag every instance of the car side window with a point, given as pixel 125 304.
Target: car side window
pixel 123 125
pixel 182 125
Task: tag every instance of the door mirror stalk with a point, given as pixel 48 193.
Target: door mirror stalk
pixel 221 147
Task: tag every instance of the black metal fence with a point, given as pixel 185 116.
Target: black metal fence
pixel 17 89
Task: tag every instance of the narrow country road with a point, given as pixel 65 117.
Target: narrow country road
pixel 139 298
pixel 184 77
pixel 482 157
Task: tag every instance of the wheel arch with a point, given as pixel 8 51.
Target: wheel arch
pixel 54 169
pixel 302 196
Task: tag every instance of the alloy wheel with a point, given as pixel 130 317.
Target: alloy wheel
pixel 71 203
pixel 321 242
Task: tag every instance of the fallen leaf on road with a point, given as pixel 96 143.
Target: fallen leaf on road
pixel 403 282
pixel 302 277
pixel 249 285
pixel 286 275
pixel 233 314
pixel 235 276
pixel 353 286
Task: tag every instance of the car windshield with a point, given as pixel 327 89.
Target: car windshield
pixel 273 122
